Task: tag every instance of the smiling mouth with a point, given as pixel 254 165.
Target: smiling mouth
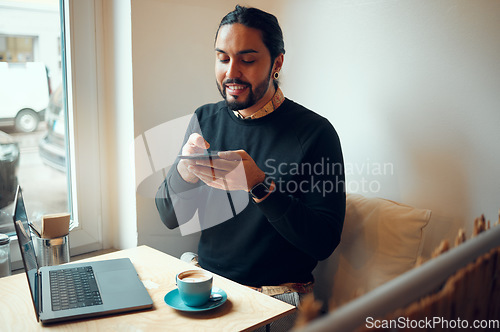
pixel 235 89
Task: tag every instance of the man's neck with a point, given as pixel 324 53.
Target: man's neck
pixel 258 105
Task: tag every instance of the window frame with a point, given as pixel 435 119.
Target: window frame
pixel 84 99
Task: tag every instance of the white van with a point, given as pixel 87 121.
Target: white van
pixel 24 94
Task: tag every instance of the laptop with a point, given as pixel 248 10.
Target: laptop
pixel 77 290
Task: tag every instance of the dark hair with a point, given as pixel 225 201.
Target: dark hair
pixel 272 36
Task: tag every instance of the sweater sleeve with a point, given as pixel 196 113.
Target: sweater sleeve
pixel 312 218
pixel 174 198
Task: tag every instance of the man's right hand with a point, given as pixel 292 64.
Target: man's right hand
pixel 195 144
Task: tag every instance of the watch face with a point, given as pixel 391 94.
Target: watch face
pixel 259 191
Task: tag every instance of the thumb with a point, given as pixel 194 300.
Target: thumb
pixel 200 142
pixel 233 155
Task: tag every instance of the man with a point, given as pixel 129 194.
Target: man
pixel 282 159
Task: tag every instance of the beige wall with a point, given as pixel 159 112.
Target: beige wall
pixel 411 87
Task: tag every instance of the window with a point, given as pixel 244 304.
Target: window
pixel 30 59
pixel 73 119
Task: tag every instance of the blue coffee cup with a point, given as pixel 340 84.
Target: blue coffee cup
pixel 195 287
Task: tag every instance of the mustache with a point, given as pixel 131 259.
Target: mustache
pixel 235 81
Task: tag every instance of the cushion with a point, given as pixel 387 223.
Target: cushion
pixel 381 239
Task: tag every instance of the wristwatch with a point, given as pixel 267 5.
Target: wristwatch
pixel 260 190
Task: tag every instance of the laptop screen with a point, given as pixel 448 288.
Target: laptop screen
pixel 26 246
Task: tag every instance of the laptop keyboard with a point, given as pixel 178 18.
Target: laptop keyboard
pixel 73 288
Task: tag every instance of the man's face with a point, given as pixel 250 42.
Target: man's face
pixel 243 68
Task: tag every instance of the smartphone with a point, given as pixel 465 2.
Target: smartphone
pixel 198 156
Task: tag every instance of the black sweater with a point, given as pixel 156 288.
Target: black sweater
pixel 280 239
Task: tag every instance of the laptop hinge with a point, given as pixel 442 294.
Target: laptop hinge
pixel 39 295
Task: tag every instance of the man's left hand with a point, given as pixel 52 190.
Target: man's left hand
pixel 235 170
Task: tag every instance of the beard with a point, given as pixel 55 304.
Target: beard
pixel 253 96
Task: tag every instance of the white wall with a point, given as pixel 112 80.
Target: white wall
pixel 410 83
pixel 411 87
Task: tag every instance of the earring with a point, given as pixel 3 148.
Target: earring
pixel 276 75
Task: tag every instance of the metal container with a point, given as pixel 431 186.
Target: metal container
pixel 51 251
pixel 4 256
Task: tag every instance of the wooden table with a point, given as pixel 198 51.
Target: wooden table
pixel 245 309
